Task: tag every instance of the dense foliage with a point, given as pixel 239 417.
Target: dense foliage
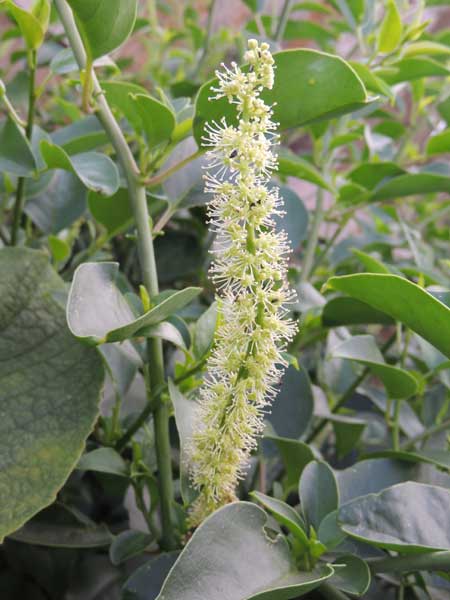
pixel 109 319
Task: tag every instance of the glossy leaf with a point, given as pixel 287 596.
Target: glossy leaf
pixel 369 175
pixel 32 23
pixel 16 155
pixel 295 455
pixel 363 349
pixel 411 184
pixel 403 301
pixel 348 311
pixel 391 29
pixel 113 212
pixel 103 460
pixel 284 514
pixel 185 415
pixel 439 143
pixel 59 386
pixel 409 69
pixel 318 491
pixel 104 24
pixel 157 120
pixel 244 565
pixel 61 527
pixel 98 313
pixel 96 171
pixel 128 544
pixel 408 518
pixel 352 575
pixel 327 87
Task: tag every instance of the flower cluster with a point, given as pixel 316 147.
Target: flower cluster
pixel 249 270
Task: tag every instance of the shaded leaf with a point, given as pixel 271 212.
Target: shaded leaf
pixel 128 544
pixel 318 491
pixel 16 155
pixel 103 460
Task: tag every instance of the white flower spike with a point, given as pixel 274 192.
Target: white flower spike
pixel 250 266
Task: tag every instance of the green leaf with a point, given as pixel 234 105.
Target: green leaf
pixel 81 136
pixel 292 409
pixel 309 86
pixel 295 220
pixel 369 175
pixel 32 24
pixel 104 24
pixel 64 62
pixel 230 556
pixel 204 331
pixel 103 460
pixel 329 534
pixel 128 544
pixel 408 518
pixel 439 458
pixel 391 29
pixel 294 166
pixel 113 212
pixel 426 47
pixel 49 398
pixel 59 248
pixel 318 491
pixel 61 527
pixel 348 311
pixel 439 143
pixel 98 313
pixel 371 81
pixel 284 514
pixel 409 69
pixel 157 120
pixel 146 582
pixel 411 184
pixel 403 301
pixel 353 577
pixel 363 349
pixel 295 455
pixel 96 171
pixel 372 264
pixel 185 415
pixel 296 29
pixel 165 331
pixel 16 155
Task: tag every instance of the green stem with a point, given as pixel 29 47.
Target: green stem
pixel 282 21
pixel 20 192
pixel 313 238
pixel 396 425
pixel 432 561
pixel 207 43
pixel 155 371
pixel 158 179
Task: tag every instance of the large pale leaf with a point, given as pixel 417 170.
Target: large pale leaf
pixel 49 388
pixel 402 300
pixel 104 24
pixel 410 517
pixel 231 557
pixel 96 171
pixel 98 313
pixel 309 86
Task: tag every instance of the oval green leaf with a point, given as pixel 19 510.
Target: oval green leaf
pixel 16 155
pixel 96 171
pixel 318 491
pixel 104 24
pixel 403 301
pixel 409 518
pixel 96 307
pixel 231 557
pixel 49 397
pixel 309 86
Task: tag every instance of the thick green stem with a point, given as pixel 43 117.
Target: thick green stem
pixel 313 238
pixel 155 370
pixel 432 561
pixel 396 425
pixel 20 192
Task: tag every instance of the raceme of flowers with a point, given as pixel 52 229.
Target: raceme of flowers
pixel 249 270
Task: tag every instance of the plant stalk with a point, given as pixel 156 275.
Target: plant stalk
pixel 155 371
pixel 282 22
pixel 20 192
pixel 431 561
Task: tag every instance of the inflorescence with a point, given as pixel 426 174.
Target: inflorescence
pixel 249 270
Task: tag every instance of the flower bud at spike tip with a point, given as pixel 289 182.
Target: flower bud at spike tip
pixel 249 270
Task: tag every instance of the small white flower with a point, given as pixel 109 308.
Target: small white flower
pixel 249 270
